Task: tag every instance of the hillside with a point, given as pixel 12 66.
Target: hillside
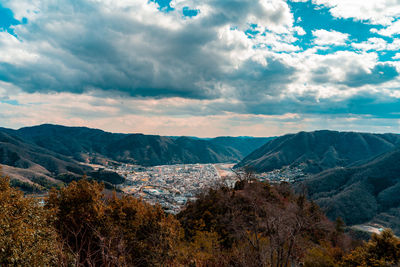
pixel 360 194
pixel 320 150
pixel 85 144
pixel 32 164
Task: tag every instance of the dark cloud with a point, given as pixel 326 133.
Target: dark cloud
pixel 256 81
pixel 321 75
pixel 381 73
pixel 81 46
pixel 92 49
pixel 88 48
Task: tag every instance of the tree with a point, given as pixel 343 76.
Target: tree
pixel 25 236
pixel 257 224
pixel 150 236
pixel 79 210
pixel 116 231
pixel 319 257
pixel 381 250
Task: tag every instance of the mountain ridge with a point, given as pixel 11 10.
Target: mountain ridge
pixel 319 150
pixel 361 194
pixel 138 148
pixel 40 154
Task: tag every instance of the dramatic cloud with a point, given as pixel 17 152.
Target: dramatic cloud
pixel 114 46
pixel 158 65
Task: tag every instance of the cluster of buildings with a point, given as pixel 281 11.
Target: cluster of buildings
pixel 173 186
pixel 286 174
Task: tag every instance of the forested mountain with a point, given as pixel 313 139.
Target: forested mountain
pixel 32 164
pixel 320 150
pixel 34 168
pixel 355 176
pixel 91 144
pixel 47 154
pixel 360 194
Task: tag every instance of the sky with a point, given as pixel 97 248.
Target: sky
pixel 201 68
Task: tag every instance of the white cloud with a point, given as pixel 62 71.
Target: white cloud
pixel 169 55
pixel 337 77
pixel 397 56
pixel 299 30
pixel 15 52
pixel 148 117
pixel 373 11
pixel 276 43
pixel 394 45
pixel 378 44
pixel 324 37
pixel 392 29
pixel 113 45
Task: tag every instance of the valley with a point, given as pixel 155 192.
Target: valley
pixel 350 175
pixel 40 157
pixel 172 186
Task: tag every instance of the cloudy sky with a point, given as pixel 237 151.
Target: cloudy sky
pixel 201 68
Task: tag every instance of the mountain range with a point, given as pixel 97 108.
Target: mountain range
pixel 84 144
pixel 47 151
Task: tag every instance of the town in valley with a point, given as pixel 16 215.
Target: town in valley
pixel 172 186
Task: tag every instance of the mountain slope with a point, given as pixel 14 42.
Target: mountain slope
pixel 18 153
pixel 33 164
pixel 319 150
pixel 370 192
pixel 84 144
pixel 70 141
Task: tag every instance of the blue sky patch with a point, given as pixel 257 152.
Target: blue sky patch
pixel 10 102
pixel 187 12
pixel 7 20
pixel 312 17
pixel 164 5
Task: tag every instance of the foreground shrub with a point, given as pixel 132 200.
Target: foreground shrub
pixel 254 224
pixel 381 250
pixel 25 236
pixel 258 224
pixel 116 231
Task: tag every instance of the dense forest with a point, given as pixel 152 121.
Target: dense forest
pixel 252 224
